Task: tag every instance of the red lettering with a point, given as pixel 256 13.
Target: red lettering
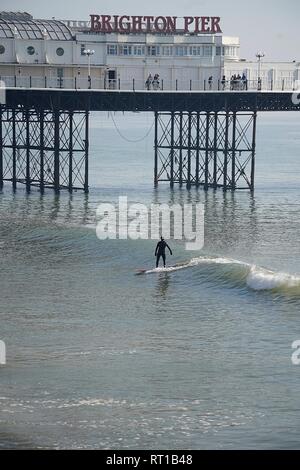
pixel 205 24
pixel 148 20
pixel 187 21
pixel 197 22
pixel 106 26
pixel 136 24
pixel 160 24
pixel 139 24
pixel 122 28
pixel 215 24
pixel 116 19
pixel 95 23
pixel 171 24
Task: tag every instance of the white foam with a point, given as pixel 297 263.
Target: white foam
pixel 219 260
pixel 257 278
pixel 263 279
pixel 196 262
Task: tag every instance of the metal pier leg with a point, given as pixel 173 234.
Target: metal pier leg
pixel 253 151
pixel 206 150
pixel 233 183
pixel 14 151
pixel 172 150
pixel 27 178
pixel 180 146
pixel 86 154
pixel 226 151
pixel 188 185
pixel 70 151
pixel 228 155
pixel 42 151
pixel 1 150
pixel 215 176
pixel 56 151
pixel 197 149
pixel 155 149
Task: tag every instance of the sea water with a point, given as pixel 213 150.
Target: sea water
pixel 193 357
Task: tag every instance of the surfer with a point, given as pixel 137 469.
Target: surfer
pixel 160 251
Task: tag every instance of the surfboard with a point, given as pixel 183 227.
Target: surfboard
pixel 160 269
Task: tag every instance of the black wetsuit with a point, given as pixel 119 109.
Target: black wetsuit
pixel 161 252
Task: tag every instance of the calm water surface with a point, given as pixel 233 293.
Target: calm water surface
pixel 198 358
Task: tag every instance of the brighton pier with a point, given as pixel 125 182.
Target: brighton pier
pixel 201 139
pixel 204 97
pixel 159 24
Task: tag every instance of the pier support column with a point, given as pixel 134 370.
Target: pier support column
pixel 209 149
pixel 155 149
pixel 197 169
pixel 56 151
pixel 215 152
pixel 180 144
pixel 14 151
pixel 44 148
pixel 27 117
pixel 86 154
pixel 207 152
pixel 189 151
pixel 233 151
pixel 226 144
pixel 172 152
pixel 70 152
pixel 253 151
pixel 41 150
pixel 1 149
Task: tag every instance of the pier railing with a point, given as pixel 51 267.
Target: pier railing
pixel 77 83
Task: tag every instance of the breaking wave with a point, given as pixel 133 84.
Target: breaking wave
pixel 255 277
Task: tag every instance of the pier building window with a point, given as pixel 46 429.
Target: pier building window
pixel 30 50
pixel 196 50
pixel 153 50
pixel 138 50
pixel 167 50
pixel 218 50
pixel 181 51
pixel 125 50
pixel 207 51
pixel 230 51
pixel 82 49
pixel 112 49
pixel 60 51
pixel 2 49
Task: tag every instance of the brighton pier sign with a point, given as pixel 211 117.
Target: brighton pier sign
pixel 155 24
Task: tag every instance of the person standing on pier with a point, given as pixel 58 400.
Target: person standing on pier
pixel 149 82
pixel 223 82
pixel 155 82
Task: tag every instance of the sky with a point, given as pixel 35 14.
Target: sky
pixel 268 26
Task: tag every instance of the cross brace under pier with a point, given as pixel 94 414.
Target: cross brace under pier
pixel 209 149
pixel 44 148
